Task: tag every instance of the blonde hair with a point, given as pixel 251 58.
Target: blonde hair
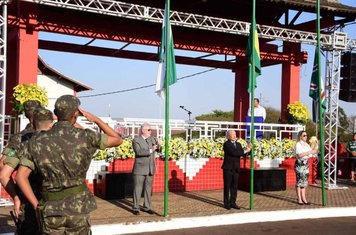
pixel 314 142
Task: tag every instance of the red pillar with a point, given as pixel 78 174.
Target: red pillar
pixel 22 53
pixel 241 103
pixel 290 78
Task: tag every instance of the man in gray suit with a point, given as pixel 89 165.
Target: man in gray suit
pixel 144 168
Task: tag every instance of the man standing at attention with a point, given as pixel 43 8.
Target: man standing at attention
pixel 15 141
pixel 144 168
pixel 62 157
pixel 29 106
pixel 259 111
pixel 27 224
pixel 233 151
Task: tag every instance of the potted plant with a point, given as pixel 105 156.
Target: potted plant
pixel 298 113
pixel 28 91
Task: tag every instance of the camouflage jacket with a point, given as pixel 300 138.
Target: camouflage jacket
pixel 13 160
pixel 62 157
pixel 16 139
pixel 34 178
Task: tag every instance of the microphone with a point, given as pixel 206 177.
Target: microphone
pixel 181 106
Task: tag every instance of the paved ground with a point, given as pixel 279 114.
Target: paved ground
pixel 206 203
pixel 325 226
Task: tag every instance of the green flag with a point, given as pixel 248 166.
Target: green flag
pixel 167 47
pixel 314 90
pixel 253 52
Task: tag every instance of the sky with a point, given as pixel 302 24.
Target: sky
pixel 207 90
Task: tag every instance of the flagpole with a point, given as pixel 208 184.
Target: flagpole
pixel 252 74
pixel 321 118
pixel 166 128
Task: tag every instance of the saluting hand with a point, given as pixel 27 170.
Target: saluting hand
pixel 87 115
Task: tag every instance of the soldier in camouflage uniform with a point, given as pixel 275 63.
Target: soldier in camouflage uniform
pixel 27 224
pixel 62 157
pixel 13 144
pixel 15 140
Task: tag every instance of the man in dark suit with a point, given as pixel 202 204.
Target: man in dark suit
pixel 233 151
pixel 144 168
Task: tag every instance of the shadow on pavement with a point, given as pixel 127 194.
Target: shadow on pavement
pixel 201 198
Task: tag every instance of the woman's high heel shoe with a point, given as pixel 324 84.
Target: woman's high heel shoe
pixel 306 203
pixel 300 203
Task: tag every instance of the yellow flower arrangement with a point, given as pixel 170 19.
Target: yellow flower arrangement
pixel 177 148
pixel 219 147
pixel 203 148
pixel 258 153
pixel 298 113
pixel 288 147
pixel 24 92
pixel 123 151
pixel 242 142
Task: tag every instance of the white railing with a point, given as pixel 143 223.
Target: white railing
pixel 198 129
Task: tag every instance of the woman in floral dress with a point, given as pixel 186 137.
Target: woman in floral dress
pixel 303 153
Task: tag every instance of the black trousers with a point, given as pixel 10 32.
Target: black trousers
pixel 231 178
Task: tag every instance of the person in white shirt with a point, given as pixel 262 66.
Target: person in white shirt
pixel 303 152
pixel 259 110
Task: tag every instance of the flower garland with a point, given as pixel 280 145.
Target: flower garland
pixel 203 148
pixel 123 151
pixel 177 148
pixel 288 147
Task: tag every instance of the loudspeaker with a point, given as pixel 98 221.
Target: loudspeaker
pixel 348 84
pixel 348 63
pixel 265 179
pixel 113 185
pixel 348 90
pixel 347 95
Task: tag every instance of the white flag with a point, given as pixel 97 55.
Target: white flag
pixel 167 47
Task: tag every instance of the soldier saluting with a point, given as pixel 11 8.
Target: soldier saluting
pixel 24 215
pixel 62 157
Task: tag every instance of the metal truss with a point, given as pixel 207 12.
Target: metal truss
pixel 333 43
pixel 333 63
pixel 151 14
pixel 351 43
pixel 3 36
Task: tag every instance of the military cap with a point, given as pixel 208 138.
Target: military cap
pixel 66 105
pixel 29 106
pixel 42 114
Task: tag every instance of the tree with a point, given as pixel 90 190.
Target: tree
pixel 344 132
pixel 352 122
pixel 343 119
pixel 272 115
pixel 217 115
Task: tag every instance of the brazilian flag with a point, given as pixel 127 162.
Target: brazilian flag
pixel 253 53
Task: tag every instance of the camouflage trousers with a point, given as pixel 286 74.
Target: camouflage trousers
pixel 27 222
pixel 68 225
